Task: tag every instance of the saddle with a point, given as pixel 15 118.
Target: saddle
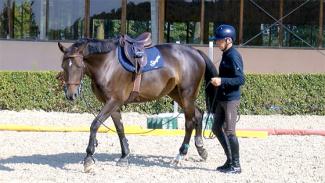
pixel 134 50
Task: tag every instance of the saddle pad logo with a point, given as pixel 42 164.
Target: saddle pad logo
pixel 154 62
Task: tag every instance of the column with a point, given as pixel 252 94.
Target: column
pixel 161 20
pixel 202 21
pixel 154 21
pixel 241 21
pixel 123 17
pixel 280 24
pixel 321 25
pixel 42 35
pixel 86 22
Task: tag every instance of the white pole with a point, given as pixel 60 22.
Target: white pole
pixel 175 103
pixel 210 51
pixel 175 107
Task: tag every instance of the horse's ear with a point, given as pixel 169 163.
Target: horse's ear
pixel 62 48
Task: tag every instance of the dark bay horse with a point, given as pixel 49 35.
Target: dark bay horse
pixel 180 78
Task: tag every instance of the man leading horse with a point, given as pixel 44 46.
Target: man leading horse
pixel 179 78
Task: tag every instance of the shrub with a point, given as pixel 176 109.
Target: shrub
pixel 262 94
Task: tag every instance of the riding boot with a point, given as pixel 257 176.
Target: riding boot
pixel 234 146
pixel 226 147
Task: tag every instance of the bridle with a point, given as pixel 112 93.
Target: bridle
pixel 80 83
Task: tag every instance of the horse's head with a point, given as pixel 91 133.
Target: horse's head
pixel 73 69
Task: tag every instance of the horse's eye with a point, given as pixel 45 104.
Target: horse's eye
pixel 65 64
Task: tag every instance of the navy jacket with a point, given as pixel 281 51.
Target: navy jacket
pixel 232 75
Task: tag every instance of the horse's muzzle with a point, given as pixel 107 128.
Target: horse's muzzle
pixel 72 92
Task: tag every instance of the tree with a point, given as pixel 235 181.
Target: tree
pixel 25 25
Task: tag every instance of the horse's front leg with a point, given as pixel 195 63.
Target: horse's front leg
pixel 109 107
pixel 123 161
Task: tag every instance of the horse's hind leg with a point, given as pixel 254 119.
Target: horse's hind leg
pixel 189 112
pixel 123 161
pixel 196 122
pixel 193 118
pixel 198 134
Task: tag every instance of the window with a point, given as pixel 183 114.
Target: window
pixel 258 28
pixel 221 12
pixel 3 20
pixel 303 22
pixel 65 21
pixel 26 19
pixel 138 17
pixel 105 18
pixel 182 21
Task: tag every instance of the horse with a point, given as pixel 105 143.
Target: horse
pixel 180 78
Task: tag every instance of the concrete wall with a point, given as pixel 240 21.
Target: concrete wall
pixel 268 60
pixel 41 56
pixel 33 56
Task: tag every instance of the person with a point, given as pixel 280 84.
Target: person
pixel 231 77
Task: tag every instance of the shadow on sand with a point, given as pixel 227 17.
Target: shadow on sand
pixel 63 159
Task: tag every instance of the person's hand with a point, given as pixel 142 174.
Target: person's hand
pixel 216 81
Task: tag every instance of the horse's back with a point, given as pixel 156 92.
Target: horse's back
pixel 184 60
pixel 183 68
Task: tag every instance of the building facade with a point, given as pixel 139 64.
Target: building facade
pixel 263 26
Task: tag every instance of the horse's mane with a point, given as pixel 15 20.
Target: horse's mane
pixel 95 46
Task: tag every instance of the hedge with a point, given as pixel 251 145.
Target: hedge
pixel 262 94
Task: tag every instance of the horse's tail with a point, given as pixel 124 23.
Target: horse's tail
pixel 210 90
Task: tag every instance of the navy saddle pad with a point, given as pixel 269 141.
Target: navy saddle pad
pixel 154 60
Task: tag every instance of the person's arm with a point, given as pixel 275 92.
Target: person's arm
pixel 239 78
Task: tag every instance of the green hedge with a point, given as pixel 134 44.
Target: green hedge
pixel 262 94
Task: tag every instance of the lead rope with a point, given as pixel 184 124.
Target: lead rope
pixel 109 129
pixel 211 136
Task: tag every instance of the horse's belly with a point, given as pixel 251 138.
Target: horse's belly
pixel 156 88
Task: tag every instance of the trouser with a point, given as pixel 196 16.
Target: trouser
pixel 225 116
pixel 224 127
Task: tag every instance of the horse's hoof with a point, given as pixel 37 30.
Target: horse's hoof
pixel 177 161
pixel 186 158
pixel 89 165
pixel 204 154
pixel 123 162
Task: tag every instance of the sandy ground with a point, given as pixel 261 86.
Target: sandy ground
pixel 57 157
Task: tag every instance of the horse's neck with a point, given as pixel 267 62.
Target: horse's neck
pixel 98 66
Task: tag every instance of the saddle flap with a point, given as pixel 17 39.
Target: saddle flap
pixel 135 53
